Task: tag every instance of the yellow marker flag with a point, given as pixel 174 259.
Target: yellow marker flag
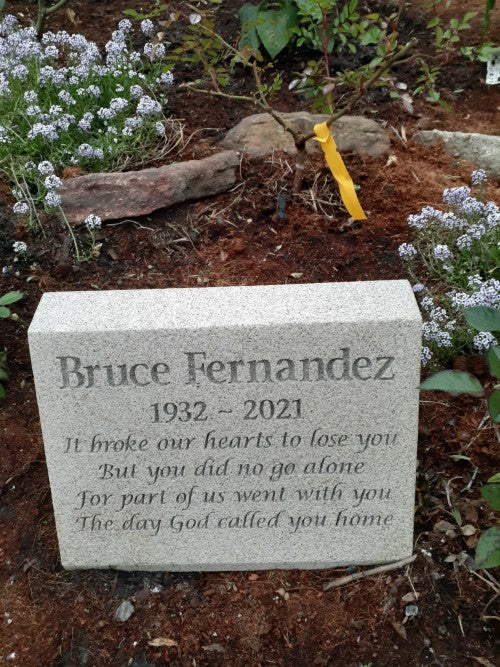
pixel 339 171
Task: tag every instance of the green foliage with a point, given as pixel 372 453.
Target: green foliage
pixel 6 300
pixel 4 372
pixel 155 12
pixel 491 492
pixel 488 6
pixel 2 5
pixel 454 382
pixel 488 547
pixel 485 319
pixel 447 42
pixel 275 27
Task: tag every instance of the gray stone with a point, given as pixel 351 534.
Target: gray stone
pixel 133 193
pixel 481 149
pixel 230 428
pixel 124 611
pixel 259 135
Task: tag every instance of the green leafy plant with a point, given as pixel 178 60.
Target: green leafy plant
pixel 5 313
pixel 484 319
pixel 158 8
pixel 447 42
pixel 7 300
pixel 203 45
pixel 488 547
pixel 327 26
pixel 488 6
pixel 273 27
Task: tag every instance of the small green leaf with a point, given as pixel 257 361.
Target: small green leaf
pixel 433 22
pixel 2 4
pixel 488 548
pixel 468 16
pixel 2 391
pixel 249 38
pixel 491 493
pixel 454 382
pixel 4 312
pixel 494 360
pixel 483 318
pixel 457 516
pixel 10 297
pixel 494 405
pixel 275 28
pixel 4 374
pixel 133 14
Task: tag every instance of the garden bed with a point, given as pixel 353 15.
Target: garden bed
pixel 53 617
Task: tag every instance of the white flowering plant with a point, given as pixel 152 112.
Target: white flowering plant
pixel 458 250
pixel 63 104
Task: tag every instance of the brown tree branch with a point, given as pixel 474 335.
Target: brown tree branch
pixel 362 88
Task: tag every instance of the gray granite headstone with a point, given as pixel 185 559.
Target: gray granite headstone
pixel 230 428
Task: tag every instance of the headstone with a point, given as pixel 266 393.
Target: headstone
pixel 230 428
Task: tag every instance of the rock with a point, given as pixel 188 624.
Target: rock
pixel 134 193
pixel 258 135
pixel 124 611
pixel 483 149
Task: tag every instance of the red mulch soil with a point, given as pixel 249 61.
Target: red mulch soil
pixel 57 618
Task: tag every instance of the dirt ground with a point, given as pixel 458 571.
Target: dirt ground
pixel 60 619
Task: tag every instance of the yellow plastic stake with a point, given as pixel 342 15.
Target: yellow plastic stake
pixel 339 171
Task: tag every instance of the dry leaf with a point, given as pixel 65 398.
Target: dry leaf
pixel 400 629
pixel 71 15
pixel 216 648
pixel 468 530
pixel 253 577
pixel 450 559
pixel 392 159
pixel 163 641
pixel 410 597
pixel 296 275
pixel 484 661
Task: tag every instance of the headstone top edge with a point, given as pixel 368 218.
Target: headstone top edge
pixel 223 307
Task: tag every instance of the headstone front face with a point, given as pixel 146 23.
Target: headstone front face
pixel 230 428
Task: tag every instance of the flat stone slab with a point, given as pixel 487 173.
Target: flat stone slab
pixel 134 193
pixel 482 149
pixel 230 428
pixel 259 135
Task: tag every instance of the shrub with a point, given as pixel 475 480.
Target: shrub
pixel 63 104
pixel 458 252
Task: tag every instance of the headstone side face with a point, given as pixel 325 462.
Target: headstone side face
pixel 230 428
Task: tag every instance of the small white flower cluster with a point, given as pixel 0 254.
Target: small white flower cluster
pixel 93 222
pixel 19 247
pixel 407 251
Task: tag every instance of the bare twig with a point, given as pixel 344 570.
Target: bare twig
pixel 364 86
pixel 43 12
pixel 368 573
